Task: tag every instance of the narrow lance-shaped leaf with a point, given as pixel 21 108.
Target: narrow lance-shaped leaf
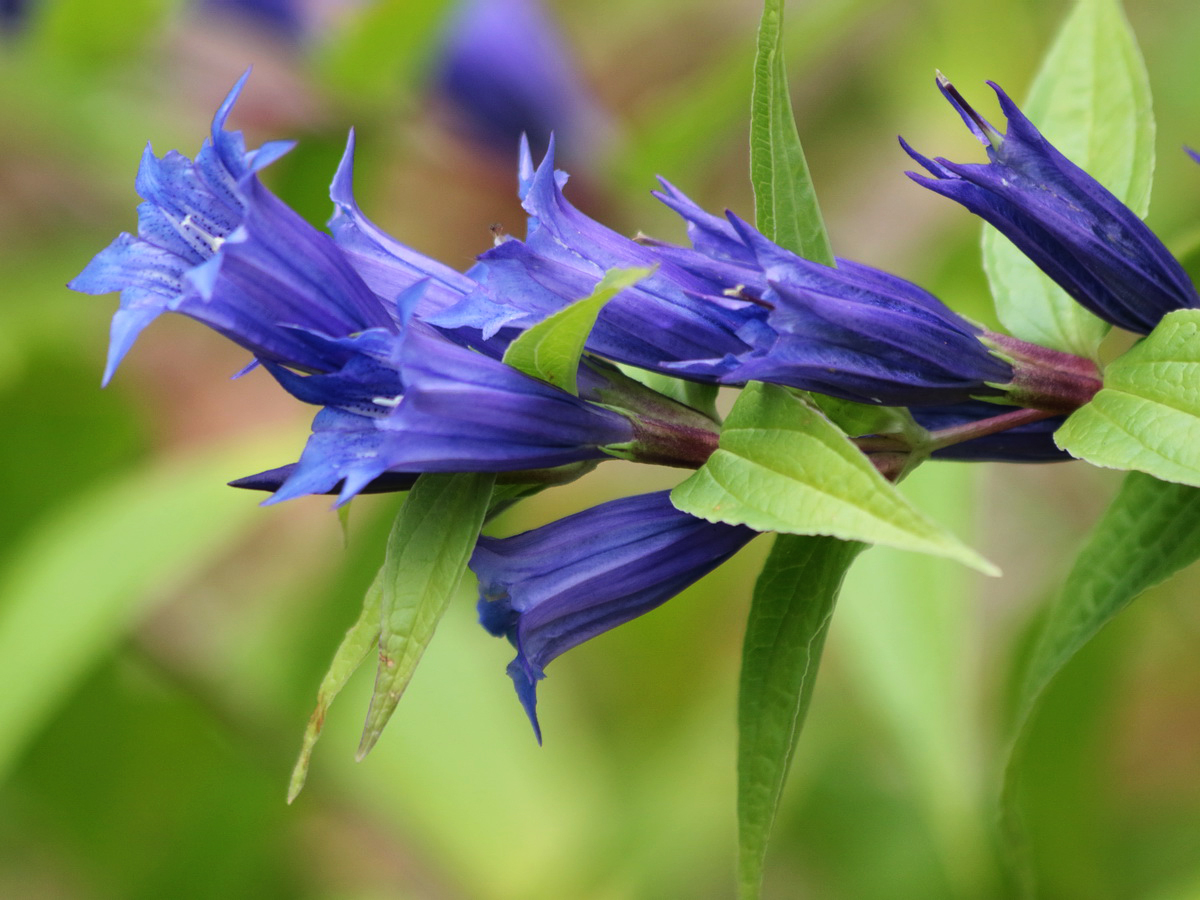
pixel 551 349
pixel 785 204
pixel 782 466
pixel 1091 99
pixel 785 634
pixel 427 553
pixel 1150 531
pixel 361 638
pixel 1147 416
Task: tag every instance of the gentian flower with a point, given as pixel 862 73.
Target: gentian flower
pixel 552 588
pixel 1065 221
pixel 671 316
pixel 1029 443
pixel 505 71
pixel 191 209
pixel 852 331
pixel 446 409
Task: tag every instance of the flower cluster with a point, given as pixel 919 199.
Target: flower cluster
pixel 405 356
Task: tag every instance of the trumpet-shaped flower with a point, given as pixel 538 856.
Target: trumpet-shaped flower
pixel 1065 221
pixel 553 588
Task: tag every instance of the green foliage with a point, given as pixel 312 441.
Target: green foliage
pixel 782 466
pixel 550 350
pixel 1147 415
pixel 427 554
pixel 1091 99
pixel 785 204
pixel 785 634
pixel 1149 532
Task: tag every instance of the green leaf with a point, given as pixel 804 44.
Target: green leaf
pixel 550 350
pixel 1150 531
pixel 789 617
pixel 1091 99
pixel 360 639
pixel 782 466
pixel 92 569
pixel 785 204
pixel 427 553
pixel 1147 415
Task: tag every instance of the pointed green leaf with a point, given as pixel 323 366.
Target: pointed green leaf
pixel 550 350
pixel 789 617
pixel 1091 99
pixel 1147 416
pixel 785 204
pixel 782 466
pixel 1150 531
pixel 361 638
pixel 427 553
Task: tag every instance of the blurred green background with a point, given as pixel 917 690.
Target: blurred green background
pixel 162 637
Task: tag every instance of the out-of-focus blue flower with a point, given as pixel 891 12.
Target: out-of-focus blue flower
pixel 672 316
pixel 553 588
pixel 852 331
pixel 285 18
pixel 505 71
pixel 1064 220
pixel 1030 443
pixel 417 402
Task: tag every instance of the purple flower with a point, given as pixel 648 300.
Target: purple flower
pixel 215 245
pixel 852 331
pixel 670 317
pixel 553 588
pixel 1030 443
pixel 1064 220
pixel 505 71
pixel 417 402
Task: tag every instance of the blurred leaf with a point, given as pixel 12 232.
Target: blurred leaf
pixel 360 639
pixel 785 204
pixel 1147 415
pixel 381 52
pixel 1150 531
pixel 93 35
pixel 427 553
pixel 789 617
pixel 1091 99
pixel 550 350
pixel 87 573
pixel 782 466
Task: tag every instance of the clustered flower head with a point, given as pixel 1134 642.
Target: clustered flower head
pixel 405 356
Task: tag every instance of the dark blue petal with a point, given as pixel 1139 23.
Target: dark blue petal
pixel 1065 221
pixel 457 411
pixel 1032 443
pixel 553 588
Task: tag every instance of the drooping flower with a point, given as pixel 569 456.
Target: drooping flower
pixel 1065 221
pixel 552 588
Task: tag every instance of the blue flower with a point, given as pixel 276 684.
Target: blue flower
pixel 852 331
pixel 505 71
pixel 215 245
pixel 553 588
pixel 417 402
pixel 1029 443
pixel 1064 220
pixel 670 317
